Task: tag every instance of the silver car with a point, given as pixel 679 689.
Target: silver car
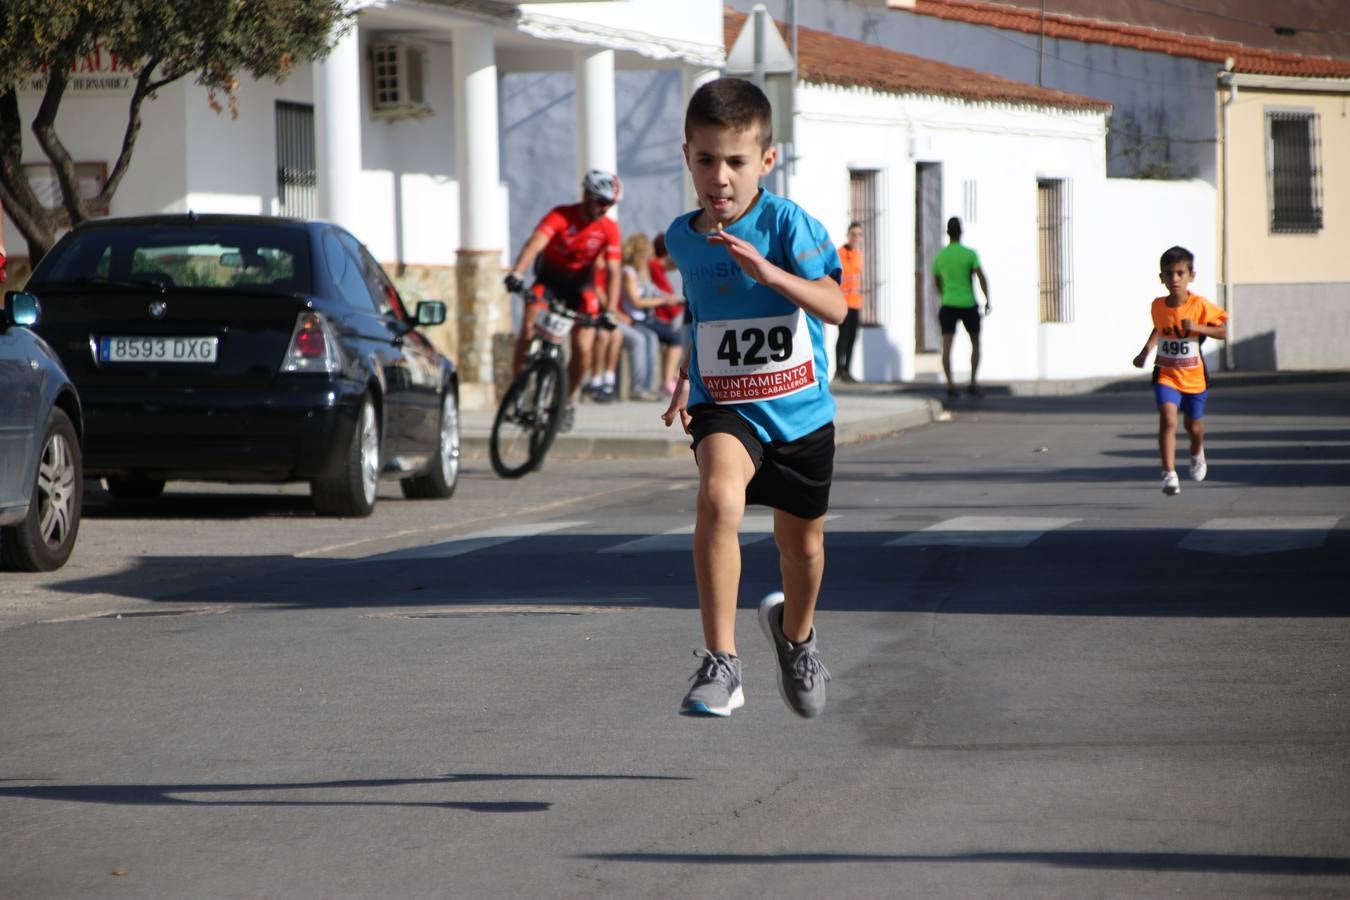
pixel 41 424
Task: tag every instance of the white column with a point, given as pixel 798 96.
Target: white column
pixel 476 163
pixel 337 113
pixel 482 313
pixel 597 141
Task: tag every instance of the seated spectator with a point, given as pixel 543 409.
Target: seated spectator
pixel 670 313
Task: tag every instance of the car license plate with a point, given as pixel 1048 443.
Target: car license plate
pixel 157 349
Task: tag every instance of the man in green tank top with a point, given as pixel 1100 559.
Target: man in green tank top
pixel 953 268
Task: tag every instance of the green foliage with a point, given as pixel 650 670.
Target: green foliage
pixel 156 42
pixel 217 40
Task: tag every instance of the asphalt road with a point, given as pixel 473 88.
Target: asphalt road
pixel 1049 680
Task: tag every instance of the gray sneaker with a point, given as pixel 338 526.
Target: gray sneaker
pixel 801 674
pixel 717 686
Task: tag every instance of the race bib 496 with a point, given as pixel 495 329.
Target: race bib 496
pixel 747 360
pixel 1179 353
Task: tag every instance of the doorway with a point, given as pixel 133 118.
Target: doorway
pixel 927 242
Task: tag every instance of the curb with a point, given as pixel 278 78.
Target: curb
pixel 580 446
pixel 675 446
pixel 870 429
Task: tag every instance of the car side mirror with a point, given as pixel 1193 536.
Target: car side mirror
pixel 21 308
pixel 430 312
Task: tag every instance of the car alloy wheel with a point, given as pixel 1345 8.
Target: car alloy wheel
pixel 370 452
pixel 56 492
pixel 450 439
pixel 44 539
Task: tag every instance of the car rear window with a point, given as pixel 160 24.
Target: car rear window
pixel 223 256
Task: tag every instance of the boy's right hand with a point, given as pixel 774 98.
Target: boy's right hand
pixel 1139 360
pixel 678 401
pixel 513 282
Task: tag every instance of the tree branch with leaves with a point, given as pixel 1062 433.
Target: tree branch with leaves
pixel 218 41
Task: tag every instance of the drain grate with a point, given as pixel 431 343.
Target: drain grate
pixel 159 613
pixel 155 613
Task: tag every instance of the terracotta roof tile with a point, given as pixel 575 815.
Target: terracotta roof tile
pixel 1250 60
pixel 825 58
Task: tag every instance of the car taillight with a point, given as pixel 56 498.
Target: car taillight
pixel 313 347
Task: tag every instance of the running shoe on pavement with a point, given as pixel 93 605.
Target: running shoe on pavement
pixel 717 686
pixel 1199 468
pixel 1171 484
pixel 569 416
pixel 801 674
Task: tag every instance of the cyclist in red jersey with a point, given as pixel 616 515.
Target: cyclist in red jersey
pixel 566 245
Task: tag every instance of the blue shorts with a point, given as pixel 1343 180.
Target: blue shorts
pixel 1192 406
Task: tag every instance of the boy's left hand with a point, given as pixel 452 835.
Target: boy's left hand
pixel 1187 326
pixel 745 255
pixel 678 401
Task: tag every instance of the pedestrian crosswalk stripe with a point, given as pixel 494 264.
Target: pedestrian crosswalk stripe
pixel 981 531
pixel 754 528
pixel 482 539
pixel 1249 536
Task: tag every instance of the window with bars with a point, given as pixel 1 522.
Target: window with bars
pixel 863 208
pixel 297 170
pixel 1293 176
pixel 1056 260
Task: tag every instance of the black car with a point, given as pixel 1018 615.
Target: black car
pixel 248 349
pixel 41 484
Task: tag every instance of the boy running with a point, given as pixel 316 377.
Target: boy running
pixel 760 275
pixel 1181 322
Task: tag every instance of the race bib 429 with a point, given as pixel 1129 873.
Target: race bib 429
pixel 748 360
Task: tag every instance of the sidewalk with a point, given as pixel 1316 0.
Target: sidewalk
pixel 634 430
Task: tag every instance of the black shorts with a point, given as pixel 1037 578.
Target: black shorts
pixel 948 316
pixel 794 476
pixel 578 296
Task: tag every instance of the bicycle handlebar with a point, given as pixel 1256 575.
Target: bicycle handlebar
pixel 555 305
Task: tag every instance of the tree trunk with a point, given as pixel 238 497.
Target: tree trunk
pixel 35 222
pixel 39 223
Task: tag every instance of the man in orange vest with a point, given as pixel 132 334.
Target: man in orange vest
pixel 850 254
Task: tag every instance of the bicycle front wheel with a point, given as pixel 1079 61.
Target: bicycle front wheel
pixel 528 418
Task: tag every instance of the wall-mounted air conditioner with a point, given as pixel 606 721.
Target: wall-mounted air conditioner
pixel 396 80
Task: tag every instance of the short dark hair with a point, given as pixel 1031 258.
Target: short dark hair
pixel 954 228
pixel 732 103
pixel 853 225
pixel 1174 255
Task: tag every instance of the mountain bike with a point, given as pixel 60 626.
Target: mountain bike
pixel 532 410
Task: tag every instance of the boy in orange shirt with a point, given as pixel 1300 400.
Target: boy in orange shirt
pixel 1181 322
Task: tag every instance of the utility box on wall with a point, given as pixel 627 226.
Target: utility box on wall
pixel 397 80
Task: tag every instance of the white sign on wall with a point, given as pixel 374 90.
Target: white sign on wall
pixel 99 70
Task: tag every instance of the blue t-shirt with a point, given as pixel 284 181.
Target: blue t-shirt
pixel 763 368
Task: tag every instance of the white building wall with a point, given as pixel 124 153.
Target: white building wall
pixel 539 153
pixel 231 161
pixel 409 193
pixel 1135 221
pixel 1002 151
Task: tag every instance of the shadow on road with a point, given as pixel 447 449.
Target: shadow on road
pixel 169 794
pixel 1043 576
pixel 1237 863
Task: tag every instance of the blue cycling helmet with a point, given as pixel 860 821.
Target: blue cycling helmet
pixel 602 184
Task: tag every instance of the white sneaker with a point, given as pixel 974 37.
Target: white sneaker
pixel 1199 468
pixel 1171 483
